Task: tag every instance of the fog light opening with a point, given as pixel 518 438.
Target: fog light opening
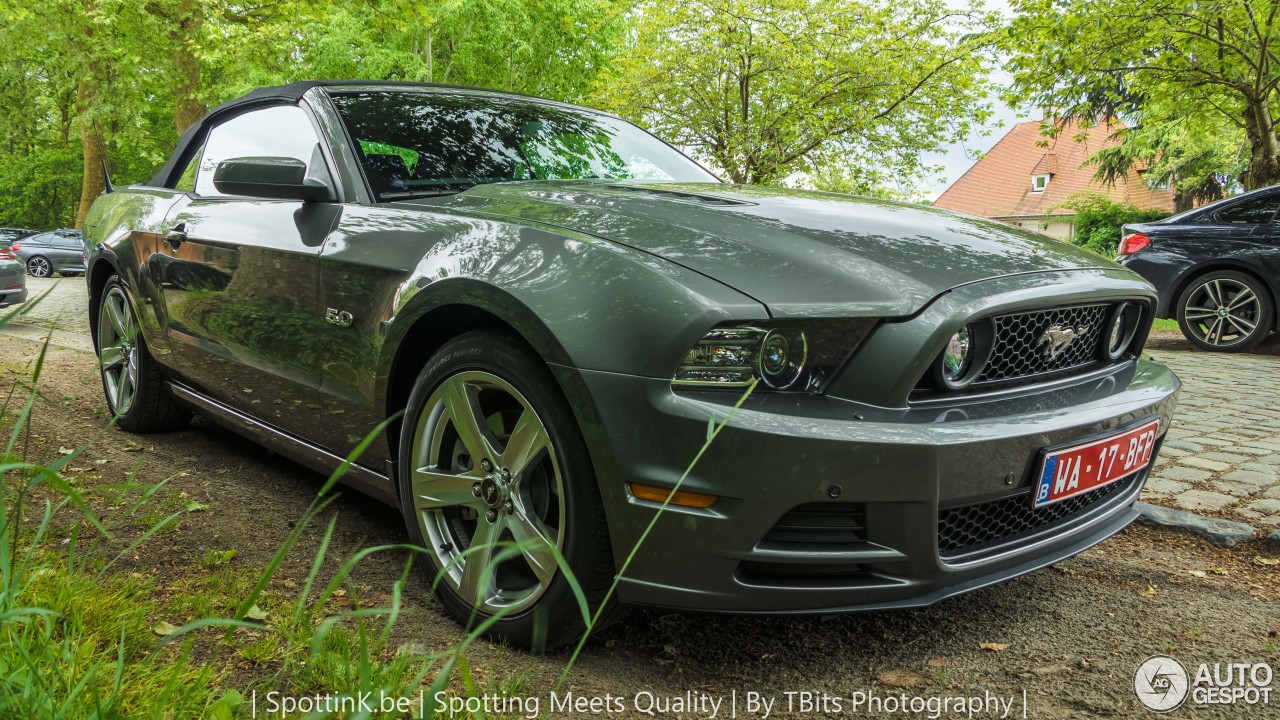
pixel 1122 326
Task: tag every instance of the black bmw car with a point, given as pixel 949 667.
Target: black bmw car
pixel 1217 269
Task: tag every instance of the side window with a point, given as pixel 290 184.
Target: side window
pixel 283 131
pixel 187 183
pixel 1251 212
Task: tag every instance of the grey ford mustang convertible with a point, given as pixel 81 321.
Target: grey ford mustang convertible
pixel 554 307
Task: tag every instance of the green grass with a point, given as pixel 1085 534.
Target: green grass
pixel 94 650
pixel 1165 324
pixel 214 558
pixel 85 638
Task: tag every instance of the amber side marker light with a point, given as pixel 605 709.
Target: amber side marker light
pixel 681 497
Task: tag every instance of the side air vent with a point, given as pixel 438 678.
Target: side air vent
pixel 821 523
pixel 819 545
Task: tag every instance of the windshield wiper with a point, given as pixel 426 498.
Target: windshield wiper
pixel 412 194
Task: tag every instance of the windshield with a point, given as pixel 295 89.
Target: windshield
pixel 414 144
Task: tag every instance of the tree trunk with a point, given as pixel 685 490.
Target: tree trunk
pixel 1183 200
pixel 1264 158
pixel 187 106
pixel 88 93
pixel 91 144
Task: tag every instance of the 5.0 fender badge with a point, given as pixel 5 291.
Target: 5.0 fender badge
pixel 341 318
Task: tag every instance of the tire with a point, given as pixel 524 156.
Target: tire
pixel 131 380
pixel 39 266
pixel 495 377
pixel 1226 311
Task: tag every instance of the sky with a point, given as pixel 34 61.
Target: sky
pixel 958 157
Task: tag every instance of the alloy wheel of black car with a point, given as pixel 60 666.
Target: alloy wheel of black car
pixel 135 390
pixel 39 266
pixel 1225 311
pixel 496 483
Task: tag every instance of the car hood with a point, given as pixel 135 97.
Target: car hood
pixel 800 253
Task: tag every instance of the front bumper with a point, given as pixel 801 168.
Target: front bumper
pixel 827 505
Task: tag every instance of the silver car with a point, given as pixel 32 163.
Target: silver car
pixel 57 251
pixel 13 281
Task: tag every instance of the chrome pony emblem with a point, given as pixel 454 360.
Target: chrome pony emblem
pixel 1057 338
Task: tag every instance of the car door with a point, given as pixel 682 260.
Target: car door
pixel 237 277
pixel 1227 232
pixel 67 250
pixel 1265 246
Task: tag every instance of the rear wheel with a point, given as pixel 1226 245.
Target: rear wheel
pixel 136 393
pixel 1226 311
pixel 39 266
pixel 495 481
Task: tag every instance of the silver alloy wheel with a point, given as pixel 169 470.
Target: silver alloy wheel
pixel 118 350
pixel 39 267
pixel 1223 312
pixel 485 476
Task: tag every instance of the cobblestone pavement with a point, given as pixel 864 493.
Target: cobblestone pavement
pixel 65 308
pixel 1221 457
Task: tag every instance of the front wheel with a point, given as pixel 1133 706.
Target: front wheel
pixel 136 393
pixel 495 482
pixel 39 266
pixel 1226 311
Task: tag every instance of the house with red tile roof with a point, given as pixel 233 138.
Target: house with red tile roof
pixel 1027 174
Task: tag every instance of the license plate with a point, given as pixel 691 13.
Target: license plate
pixel 1070 471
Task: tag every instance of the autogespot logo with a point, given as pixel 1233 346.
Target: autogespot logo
pixel 1161 683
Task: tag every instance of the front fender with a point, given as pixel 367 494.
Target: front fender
pixel 121 230
pixel 579 301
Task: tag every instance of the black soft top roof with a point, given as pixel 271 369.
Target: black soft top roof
pixel 193 137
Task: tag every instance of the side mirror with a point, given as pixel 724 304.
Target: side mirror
pixel 280 178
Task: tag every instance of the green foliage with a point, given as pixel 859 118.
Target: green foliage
pixel 550 48
pixel 760 89
pixel 84 77
pixel 40 188
pixel 1098 220
pixel 1198 79
pixel 851 92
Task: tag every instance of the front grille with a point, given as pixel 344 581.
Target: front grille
pixel 973 528
pixel 1021 350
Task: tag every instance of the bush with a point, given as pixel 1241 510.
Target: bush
pixel 1098 220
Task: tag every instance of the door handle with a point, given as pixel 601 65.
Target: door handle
pixel 175 237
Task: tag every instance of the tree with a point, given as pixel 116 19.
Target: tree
pixel 550 48
pixel 1199 79
pixel 760 89
pixel 1199 165
pixel 86 80
pixel 89 72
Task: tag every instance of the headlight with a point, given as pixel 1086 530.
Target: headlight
pixel 791 355
pixel 1122 325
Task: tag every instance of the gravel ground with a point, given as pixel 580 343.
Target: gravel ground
pixel 1075 633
